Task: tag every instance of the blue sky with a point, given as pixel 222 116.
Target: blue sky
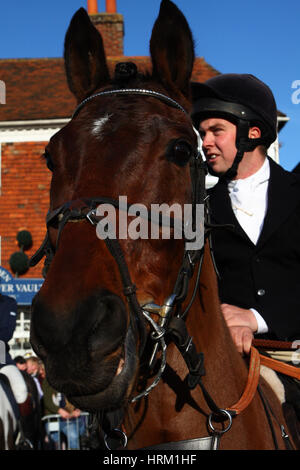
pixel 259 37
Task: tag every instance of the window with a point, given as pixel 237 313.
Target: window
pixel 19 344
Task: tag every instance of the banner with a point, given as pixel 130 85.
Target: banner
pixel 21 289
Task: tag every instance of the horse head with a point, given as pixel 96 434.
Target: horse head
pixel 130 136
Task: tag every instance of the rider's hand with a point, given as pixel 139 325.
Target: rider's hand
pixel 242 325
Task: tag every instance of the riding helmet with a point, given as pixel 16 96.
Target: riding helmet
pixel 242 99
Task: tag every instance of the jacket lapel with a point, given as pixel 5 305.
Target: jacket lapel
pixel 221 210
pixel 283 197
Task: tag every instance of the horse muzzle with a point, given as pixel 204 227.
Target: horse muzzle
pixel 119 390
pixel 89 352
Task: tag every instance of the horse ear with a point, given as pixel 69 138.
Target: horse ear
pixel 84 55
pixel 172 48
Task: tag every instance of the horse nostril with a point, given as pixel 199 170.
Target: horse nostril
pixel 109 330
pixel 97 325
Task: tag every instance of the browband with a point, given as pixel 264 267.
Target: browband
pixel 132 91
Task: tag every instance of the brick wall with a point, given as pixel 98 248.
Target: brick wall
pixel 111 26
pixel 24 200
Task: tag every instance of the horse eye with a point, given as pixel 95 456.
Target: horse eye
pixel 49 161
pixel 180 152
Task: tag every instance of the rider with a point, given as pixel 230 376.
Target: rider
pixel 258 259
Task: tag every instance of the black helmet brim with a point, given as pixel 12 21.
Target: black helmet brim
pixel 240 96
pixel 209 107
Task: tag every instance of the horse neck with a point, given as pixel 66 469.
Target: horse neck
pixel 225 367
pixel 225 374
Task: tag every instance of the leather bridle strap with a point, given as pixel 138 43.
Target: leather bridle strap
pixel 286 369
pixel 274 363
pixel 195 363
pixel 129 290
pixel 252 383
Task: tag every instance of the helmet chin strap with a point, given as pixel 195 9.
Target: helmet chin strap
pixel 232 171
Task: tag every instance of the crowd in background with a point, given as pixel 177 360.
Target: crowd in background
pixel 32 399
pixel 65 429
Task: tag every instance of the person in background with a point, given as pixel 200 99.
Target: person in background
pixel 33 369
pixel 20 362
pixel 42 372
pixel 31 410
pixel 71 424
pixel 12 379
pixel 33 366
pixel 8 320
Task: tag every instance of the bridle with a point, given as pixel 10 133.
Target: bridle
pixel 171 316
pixel 85 209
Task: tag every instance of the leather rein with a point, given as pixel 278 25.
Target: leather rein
pixel 173 325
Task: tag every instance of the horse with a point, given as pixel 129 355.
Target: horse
pixel 130 327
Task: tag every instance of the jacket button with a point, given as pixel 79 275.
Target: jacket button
pixel 261 292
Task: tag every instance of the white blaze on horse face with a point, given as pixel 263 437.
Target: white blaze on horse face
pixel 98 125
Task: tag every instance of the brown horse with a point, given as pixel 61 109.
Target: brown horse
pixel 131 135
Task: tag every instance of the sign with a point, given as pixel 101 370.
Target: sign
pixel 22 290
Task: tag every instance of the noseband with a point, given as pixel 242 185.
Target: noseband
pixel 85 209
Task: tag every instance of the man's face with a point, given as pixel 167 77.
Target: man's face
pixel 218 136
pixel 31 367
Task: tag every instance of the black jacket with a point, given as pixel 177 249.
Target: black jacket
pixel 8 318
pixel 265 276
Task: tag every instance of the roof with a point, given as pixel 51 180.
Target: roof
pixel 37 88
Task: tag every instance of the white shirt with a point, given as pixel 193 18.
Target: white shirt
pixel 249 201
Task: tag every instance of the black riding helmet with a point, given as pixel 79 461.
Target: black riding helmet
pixel 242 99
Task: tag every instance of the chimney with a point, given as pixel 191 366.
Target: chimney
pixel 110 24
